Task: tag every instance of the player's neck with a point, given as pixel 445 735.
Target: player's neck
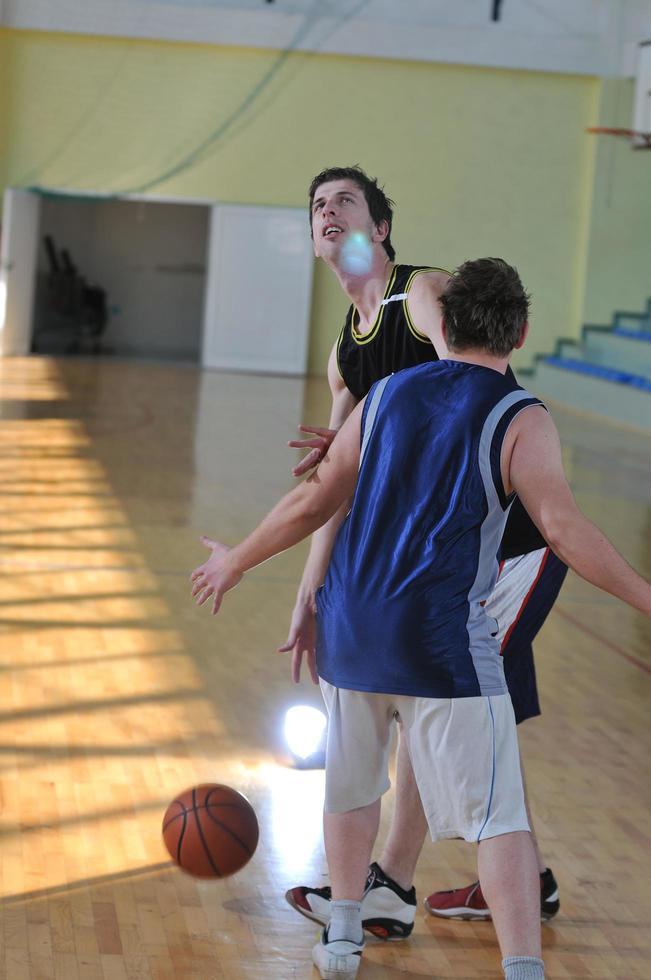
pixel 367 292
pixel 480 357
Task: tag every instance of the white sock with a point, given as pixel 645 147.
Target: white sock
pixel 345 921
pixel 523 968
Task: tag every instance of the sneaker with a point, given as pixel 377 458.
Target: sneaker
pixel 338 960
pixel 388 911
pixel 469 902
pixel 549 900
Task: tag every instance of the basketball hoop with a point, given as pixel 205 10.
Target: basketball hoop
pixel 640 141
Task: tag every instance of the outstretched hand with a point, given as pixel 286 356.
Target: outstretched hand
pixel 214 577
pixel 318 446
pixel 301 641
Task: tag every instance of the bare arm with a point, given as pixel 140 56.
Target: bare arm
pixel 343 402
pixel 424 308
pixel 297 515
pixel 534 468
pixel 301 640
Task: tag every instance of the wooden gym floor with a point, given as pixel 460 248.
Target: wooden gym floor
pixel 117 693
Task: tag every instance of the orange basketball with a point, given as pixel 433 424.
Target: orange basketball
pixel 210 831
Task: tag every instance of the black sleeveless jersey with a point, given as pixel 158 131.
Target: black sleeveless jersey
pixel 392 344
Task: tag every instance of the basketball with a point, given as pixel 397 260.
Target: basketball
pixel 210 831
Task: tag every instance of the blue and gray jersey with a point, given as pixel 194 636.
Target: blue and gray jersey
pixel 402 607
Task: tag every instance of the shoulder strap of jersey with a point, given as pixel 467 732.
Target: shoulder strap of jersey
pixel 492 528
pixel 417 271
pixel 369 413
pixel 339 340
pixel 402 275
pixel 492 439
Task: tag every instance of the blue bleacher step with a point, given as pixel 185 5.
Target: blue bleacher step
pixel 569 350
pixel 633 321
pixel 624 350
pixel 633 334
pixel 600 371
pixel 622 396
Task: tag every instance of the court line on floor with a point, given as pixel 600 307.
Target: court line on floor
pixel 600 639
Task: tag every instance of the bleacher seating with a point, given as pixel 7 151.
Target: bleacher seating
pixel 608 372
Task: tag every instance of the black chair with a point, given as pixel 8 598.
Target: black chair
pixel 76 313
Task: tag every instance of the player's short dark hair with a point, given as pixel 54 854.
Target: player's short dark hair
pixel 379 205
pixel 485 307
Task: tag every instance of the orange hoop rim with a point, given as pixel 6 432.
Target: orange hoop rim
pixel 642 140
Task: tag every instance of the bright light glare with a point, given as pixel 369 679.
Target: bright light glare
pixel 3 303
pixel 304 728
pixel 357 254
pixel 296 818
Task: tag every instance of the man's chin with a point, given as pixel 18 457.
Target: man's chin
pixel 331 252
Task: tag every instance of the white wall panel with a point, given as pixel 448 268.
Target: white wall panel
pixel 18 252
pixel 258 290
pixel 642 106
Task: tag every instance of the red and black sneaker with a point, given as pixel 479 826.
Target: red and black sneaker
pixel 388 911
pixel 469 902
pixel 313 903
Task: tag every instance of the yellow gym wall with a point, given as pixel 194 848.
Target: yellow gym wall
pixel 479 161
pixel 619 256
pixel 4 97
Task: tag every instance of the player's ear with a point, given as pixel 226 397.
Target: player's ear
pixel 523 335
pixel 444 331
pixel 381 231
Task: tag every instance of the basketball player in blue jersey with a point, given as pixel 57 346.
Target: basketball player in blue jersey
pixel 404 631
pixel 394 323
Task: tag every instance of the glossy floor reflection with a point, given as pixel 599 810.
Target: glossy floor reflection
pixel 117 693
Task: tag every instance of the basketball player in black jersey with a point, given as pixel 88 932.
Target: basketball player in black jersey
pixel 394 323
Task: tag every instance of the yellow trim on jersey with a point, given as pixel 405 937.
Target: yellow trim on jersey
pixel 364 338
pixel 341 337
pixel 405 303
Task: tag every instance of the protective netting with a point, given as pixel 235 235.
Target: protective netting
pixel 130 115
